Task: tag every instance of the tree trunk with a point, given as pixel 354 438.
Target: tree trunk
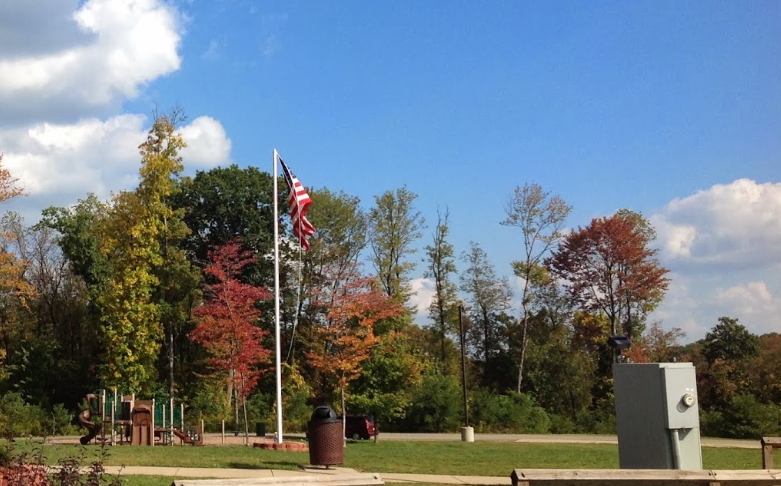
pixel 344 418
pixel 171 359
pixel 244 406
pixel 524 340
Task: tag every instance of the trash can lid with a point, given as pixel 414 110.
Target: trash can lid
pixel 324 413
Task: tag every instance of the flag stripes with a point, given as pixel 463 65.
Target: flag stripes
pixel 298 202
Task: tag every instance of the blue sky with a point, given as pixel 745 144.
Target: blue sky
pixel 672 109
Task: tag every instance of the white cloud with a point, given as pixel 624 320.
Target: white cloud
pixel 735 224
pixel 422 294
pixel 66 67
pixel 111 49
pixel 59 163
pixel 207 143
pixel 723 245
pixel 269 46
pixel 752 302
pixel 88 156
pixel 212 51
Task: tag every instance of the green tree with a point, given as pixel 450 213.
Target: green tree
pixel 139 240
pixel 228 203
pixel 437 405
pixel 540 216
pixel 394 369
pixel 730 341
pixel 15 291
pixel 729 350
pixel 60 344
pixel 394 225
pixel 488 299
pixel 443 309
pixel 78 239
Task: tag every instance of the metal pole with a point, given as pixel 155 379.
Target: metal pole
pixel 277 346
pixel 463 363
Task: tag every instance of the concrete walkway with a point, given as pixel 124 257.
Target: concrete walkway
pixel 214 473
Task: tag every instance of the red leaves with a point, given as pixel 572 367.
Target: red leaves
pixel 29 475
pixel 608 266
pixel 226 326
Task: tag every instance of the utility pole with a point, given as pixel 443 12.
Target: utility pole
pixel 463 363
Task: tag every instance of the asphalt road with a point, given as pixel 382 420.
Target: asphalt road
pixel 546 438
pixel 230 439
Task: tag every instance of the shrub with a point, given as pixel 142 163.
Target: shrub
pixel 560 424
pixel 17 418
pixel 743 418
pixel 436 405
pixel 61 422
pixel 515 413
pixel 599 421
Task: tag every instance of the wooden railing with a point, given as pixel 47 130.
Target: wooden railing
pixel 768 444
pixel 644 477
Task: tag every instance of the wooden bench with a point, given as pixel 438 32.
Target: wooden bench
pixel 352 479
pixel 768 444
pixel 644 477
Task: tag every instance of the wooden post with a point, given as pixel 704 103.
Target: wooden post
pixel 171 424
pixel 113 408
pixel 152 432
pixel 768 444
pixel 223 432
pixel 162 426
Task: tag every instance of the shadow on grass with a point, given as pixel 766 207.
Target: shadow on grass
pixel 288 465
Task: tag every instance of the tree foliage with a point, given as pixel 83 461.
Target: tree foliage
pixel 124 276
pixel 15 291
pixel 441 267
pixel 488 297
pixel 394 225
pixel 540 216
pixel 133 241
pixel 345 332
pixel 729 341
pixel 609 267
pixel 224 204
pixel 227 321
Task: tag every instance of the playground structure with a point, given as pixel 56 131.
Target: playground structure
pixel 135 422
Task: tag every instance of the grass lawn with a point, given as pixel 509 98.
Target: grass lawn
pixel 451 458
pixel 147 480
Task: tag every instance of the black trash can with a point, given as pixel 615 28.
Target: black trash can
pixel 260 429
pixel 326 441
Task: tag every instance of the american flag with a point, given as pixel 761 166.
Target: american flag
pixel 298 202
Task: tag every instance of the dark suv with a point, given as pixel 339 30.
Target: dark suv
pixel 359 427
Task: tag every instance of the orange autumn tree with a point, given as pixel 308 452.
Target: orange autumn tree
pixel 345 333
pixel 14 289
pixel 227 322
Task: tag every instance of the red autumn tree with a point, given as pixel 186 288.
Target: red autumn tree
pixel 609 267
pixel 226 321
pixel 657 346
pixel 344 336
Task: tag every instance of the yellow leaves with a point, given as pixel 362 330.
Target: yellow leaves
pixel 131 238
pixel 9 187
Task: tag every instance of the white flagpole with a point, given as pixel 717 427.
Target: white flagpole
pixel 277 346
